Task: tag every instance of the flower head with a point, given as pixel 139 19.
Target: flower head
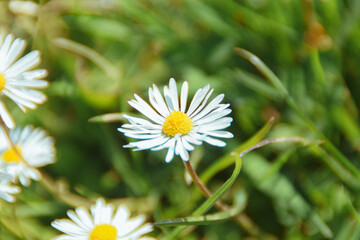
pixel 17 82
pixel 33 148
pixel 7 190
pixel 102 224
pixel 174 126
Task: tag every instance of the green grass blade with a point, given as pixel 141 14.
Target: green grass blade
pixel 211 201
pixel 227 160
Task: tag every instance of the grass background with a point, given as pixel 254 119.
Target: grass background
pixel 99 53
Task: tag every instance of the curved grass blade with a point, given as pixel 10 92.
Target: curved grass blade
pixel 227 160
pixel 202 220
pixel 265 70
pixel 109 69
pixel 211 201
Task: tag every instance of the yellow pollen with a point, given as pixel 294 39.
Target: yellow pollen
pixel 177 122
pixel 2 81
pixel 103 232
pixel 11 155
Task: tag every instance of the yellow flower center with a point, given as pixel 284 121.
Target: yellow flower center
pixel 11 155
pixel 103 232
pixel 2 81
pixel 177 122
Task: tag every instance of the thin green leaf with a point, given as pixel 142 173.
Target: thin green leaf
pixel 227 160
pixel 211 201
pixel 265 70
pixel 201 220
pixel 80 49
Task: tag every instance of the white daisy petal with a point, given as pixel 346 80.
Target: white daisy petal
pixel 222 134
pixel 202 104
pixel 170 153
pixel 160 100
pixel 211 106
pixel 147 144
pixel 6 189
pixel 35 147
pixel 15 50
pixel 29 83
pixel 5 116
pixel 168 99
pixel 174 128
pixel 197 99
pixel 158 107
pixel 19 99
pixel 217 125
pixel 174 94
pixel 183 96
pixel 16 80
pixel 215 142
pixel 145 109
pixel 180 150
pixel 35 74
pixel 81 224
pixel 25 63
pixel 5 48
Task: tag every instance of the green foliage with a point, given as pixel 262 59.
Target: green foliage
pixel 295 62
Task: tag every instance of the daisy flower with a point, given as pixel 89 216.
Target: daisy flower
pixel 102 224
pixel 17 82
pixel 7 190
pixel 33 149
pixel 173 126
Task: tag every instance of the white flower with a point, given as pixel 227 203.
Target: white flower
pixel 7 190
pixel 174 126
pixel 102 224
pixel 33 148
pixel 16 81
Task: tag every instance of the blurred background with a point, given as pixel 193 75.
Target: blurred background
pixel 100 52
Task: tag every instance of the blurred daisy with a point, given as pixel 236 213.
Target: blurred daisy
pixel 7 190
pixel 174 126
pixel 17 82
pixel 102 224
pixel 33 149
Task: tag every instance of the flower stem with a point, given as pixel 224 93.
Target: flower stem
pixel 244 220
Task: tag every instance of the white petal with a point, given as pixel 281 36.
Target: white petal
pixel 217 125
pixel 19 100
pixel 222 134
pixel 158 107
pixel 197 99
pixel 5 48
pixel 214 115
pixel 203 104
pixel 211 106
pixel 17 47
pixel 170 153
pixel 147 144
pixel 160 99
pixel 5 116
pixel 121 216
pixel 29 83
pixel 145 109
pixel 168 100
pixel 180 150
pixel 174 94
pixel 215 142
pixel 184 96
pixel 25 63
